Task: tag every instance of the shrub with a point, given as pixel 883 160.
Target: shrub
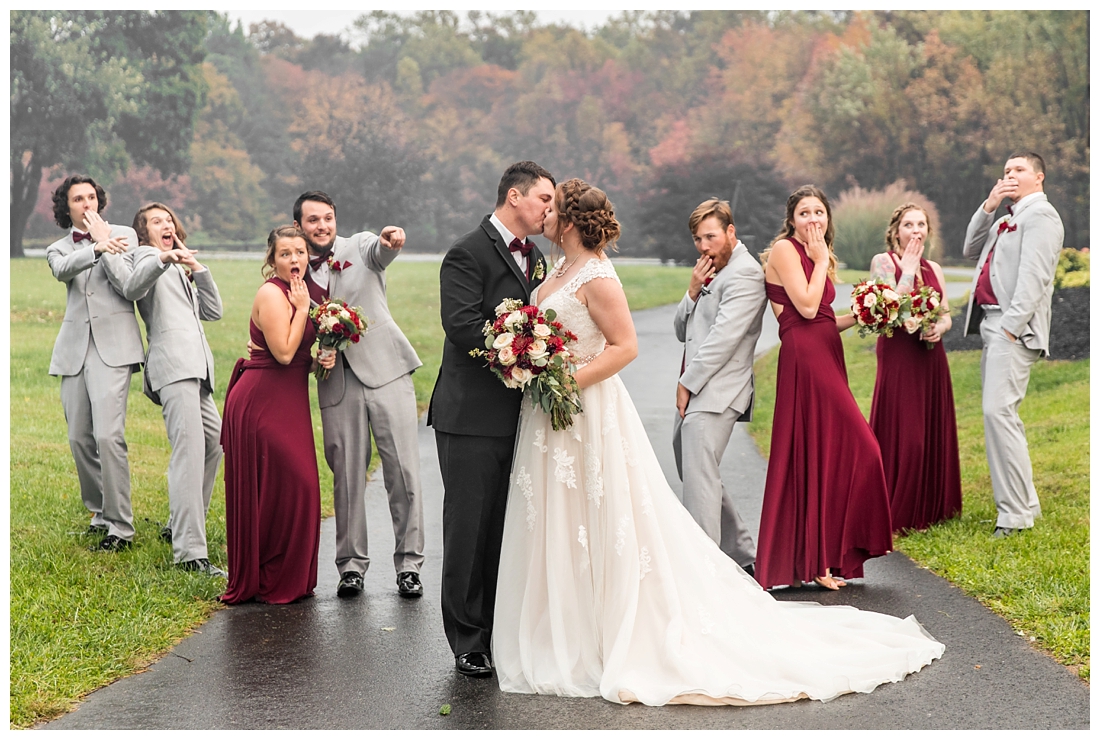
pixel 1072 270
pixel 862 216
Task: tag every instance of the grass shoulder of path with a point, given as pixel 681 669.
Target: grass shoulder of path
pixel 1039 579
pixel 80 620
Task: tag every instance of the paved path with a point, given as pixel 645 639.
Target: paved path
pixel 380 662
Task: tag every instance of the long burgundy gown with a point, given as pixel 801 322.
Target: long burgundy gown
pixel 825 500
pixel 913 416
pixel 272 493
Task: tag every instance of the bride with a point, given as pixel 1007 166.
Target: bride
pixel 607 585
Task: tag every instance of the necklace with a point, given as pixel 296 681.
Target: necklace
pixel 560 271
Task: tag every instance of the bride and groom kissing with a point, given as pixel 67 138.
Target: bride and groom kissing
pixel 569 565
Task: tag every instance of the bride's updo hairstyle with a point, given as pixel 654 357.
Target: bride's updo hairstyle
pixel 589 210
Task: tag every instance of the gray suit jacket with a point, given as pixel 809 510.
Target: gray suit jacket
pixel 383 353
pixel 94 305
pixel 173 310
pixel 1022 270
pixel 720 330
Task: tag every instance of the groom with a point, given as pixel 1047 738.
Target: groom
pixel 719 321
pixel 474 415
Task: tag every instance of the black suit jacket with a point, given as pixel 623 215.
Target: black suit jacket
pixel 478 272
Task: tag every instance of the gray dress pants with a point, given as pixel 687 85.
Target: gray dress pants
pixel 94 401
pixel 1006 369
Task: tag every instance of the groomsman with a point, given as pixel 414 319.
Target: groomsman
pixel 97 349
pixel 719 320
pixel 369 391
pixel 174 295
pixel 474 415
pixel 1010 304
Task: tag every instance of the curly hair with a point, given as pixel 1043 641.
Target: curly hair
pixel 588 209
pixel 61 215
pixel 280 232
pixel 787 232
pixel 893 241
pixel 141 222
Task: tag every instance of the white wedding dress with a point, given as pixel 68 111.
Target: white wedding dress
pixel 608 587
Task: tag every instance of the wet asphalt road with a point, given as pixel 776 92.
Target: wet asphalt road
pixel 382 662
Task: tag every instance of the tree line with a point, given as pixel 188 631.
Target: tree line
pixel 412 118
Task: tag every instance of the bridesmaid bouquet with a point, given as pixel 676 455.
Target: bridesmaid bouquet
pixel 925 308
pixel 338 325
pixel 526 349
pixel 877 308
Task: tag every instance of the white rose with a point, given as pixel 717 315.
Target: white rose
pixel 933 302
pixel 503 340
pixel 537 350
pixel 869 300
pixel 542 331
pixel 506 356
pixel 522 375
pixel 510 383
pixel 911 324
pixel 890 295
pixel 503 306
pixel 514 319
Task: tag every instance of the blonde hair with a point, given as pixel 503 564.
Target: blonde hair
pixel 719 209
pixel 787 232
pixel 588 209
pixel 280 232
pixel 893 241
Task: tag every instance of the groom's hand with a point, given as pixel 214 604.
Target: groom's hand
pixel 683 396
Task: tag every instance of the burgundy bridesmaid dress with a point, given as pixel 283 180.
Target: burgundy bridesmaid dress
pixel 825 500
pixel 272 493
pixel 913 416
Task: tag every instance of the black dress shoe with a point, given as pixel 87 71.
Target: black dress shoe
pixel 750 569
pixel 112 543
pixel 166 535
pixel 97 529
pixel 474 664
pixel 202 565
pixel 409 586
pixel 1001 532
pixel 351 584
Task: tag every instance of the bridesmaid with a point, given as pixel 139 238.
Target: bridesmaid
pixel 825 503
pixel 272 493
pixel 913 413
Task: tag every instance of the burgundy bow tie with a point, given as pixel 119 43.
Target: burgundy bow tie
pixel 523 248
pixel 79 236
pixel 1009 208
pixel 317 260
pixel 1005 227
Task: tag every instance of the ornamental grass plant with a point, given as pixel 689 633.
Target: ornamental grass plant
pixel 861 217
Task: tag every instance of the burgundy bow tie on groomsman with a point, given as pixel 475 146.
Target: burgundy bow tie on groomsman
pixel 317 260
pixel 79 236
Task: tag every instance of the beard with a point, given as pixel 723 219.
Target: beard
pixel 317 249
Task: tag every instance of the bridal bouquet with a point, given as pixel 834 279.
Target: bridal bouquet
pixel 338 325
pixel 925 308
pixel 877 308
pixel 526 349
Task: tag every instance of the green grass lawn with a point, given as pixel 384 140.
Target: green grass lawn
pixel 1039 579
pixel 80 620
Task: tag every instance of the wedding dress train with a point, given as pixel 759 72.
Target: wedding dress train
pixel 608 587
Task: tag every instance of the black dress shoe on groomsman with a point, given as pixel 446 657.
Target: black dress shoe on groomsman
pixel 750 569
pixel 1002 532
pixel 202 565
pixel 351 584
pixel 409 586
pixel 166 535
pixel 97 529
pixel 112 543
pixel 474 664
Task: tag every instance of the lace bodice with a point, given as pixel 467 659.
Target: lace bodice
pixel 573 314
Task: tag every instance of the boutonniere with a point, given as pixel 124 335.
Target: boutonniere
pixel 335 265
pixel 540 270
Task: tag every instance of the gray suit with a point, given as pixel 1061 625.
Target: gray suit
pixel 370 390
pixel 179 376
pixel 1022 277
pixel 97 349
pixel 719 330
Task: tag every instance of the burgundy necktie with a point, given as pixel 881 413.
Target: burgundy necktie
pixel 79 236
pixel 524 248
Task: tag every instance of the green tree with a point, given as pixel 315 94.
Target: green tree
pixel 100 90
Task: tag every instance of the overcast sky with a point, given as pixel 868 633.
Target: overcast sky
pixel 309 23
